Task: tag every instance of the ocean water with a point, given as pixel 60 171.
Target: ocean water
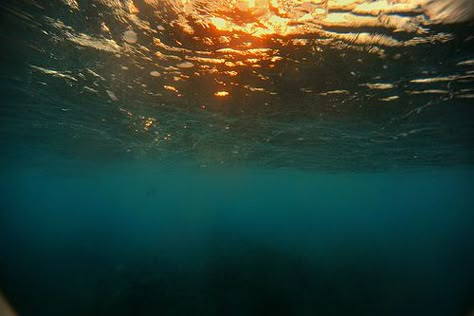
pixel 192 157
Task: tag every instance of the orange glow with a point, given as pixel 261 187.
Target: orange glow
pixel 254 7
pixel 132 8
pixel 219 23
pixel 261 18
pixel 221 93
pixel 245 5
pixel 148 123
pixel 170 88
pixel 234 37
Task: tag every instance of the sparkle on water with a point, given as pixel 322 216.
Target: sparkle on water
pixel 353 74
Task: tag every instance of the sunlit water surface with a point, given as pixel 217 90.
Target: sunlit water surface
pixel 191 157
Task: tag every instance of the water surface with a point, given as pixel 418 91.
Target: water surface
pixel 237 157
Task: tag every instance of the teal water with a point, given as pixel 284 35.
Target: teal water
pixel 137 240
pixel 159 161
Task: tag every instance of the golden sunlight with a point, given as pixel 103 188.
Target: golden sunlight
pixel 221 93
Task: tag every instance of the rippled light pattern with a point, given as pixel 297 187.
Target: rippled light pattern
pixel 259 58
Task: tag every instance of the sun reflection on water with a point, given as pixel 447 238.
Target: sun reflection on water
pixel 249 56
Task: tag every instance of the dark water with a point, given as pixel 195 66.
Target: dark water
pixel 237 157
pixel 134 240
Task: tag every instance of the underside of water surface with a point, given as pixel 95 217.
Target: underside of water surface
pixel 328 85
pixel 238 157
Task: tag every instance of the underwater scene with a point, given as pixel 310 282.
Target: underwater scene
pixel 237 157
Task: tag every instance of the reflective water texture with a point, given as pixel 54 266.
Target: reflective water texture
pixel 298 84
pixel 237 157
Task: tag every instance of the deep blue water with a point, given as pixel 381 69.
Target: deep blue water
pixel 138 240
pixel 236 158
